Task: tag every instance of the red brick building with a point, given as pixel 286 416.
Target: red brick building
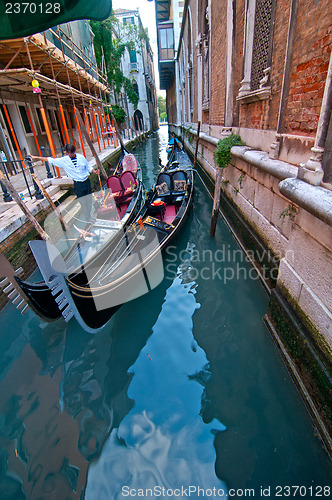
pixel 262 69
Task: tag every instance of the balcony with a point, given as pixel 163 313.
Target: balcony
pixel 133 66
pixel 166 53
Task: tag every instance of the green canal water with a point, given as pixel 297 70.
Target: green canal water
pixel 182 394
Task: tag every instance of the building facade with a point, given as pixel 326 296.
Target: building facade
pixel 262 69
pixel 46 80
pixel 137 65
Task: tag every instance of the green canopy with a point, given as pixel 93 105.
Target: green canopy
pixel 20 18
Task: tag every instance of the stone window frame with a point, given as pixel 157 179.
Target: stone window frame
pixel 190 66
pixel 245 94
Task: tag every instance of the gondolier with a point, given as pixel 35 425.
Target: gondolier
pixel 76 166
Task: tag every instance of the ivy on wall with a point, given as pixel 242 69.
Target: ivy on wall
pixel 109 45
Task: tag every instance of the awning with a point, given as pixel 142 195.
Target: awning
pixel 26 18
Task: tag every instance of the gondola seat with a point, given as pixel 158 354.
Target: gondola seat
pixel 129 183
pixel 116 188
pixel 164 187
pixel 179 182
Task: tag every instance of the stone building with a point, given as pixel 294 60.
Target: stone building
pixel 262 69
pixel 137 65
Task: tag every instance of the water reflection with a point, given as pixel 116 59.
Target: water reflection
pixel 62 393
pixel 163 441
pixel 148 154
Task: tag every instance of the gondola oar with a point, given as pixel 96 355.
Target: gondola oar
pixel 117 131
pixel 12 191
pixel 65 226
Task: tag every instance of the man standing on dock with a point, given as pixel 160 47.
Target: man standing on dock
pixel 77 167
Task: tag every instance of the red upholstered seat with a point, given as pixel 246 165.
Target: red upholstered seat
pixel 116 188
pixel 128 182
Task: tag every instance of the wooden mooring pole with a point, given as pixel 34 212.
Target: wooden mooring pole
pixel 137 136
pixel 197 141
pixel 117 131
pixel 216 202
pixel 16 197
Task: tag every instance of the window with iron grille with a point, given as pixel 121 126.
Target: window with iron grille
pixel 259 28
pixel 262 41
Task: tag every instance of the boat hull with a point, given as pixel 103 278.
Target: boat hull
pixel 129 266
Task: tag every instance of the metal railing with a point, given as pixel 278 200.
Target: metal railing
pixel 15 167
pixel 26 169
pixel 47 152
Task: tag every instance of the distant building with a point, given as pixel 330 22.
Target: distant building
pixel 137 65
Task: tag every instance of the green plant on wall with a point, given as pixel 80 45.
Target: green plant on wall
pixel 118 113
pixel 110 43
pixel 222 154
pixel 187 131
pixel 240 180
pixel 290 212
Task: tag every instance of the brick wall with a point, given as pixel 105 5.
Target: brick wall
pixel 255 115
pixel 312 47
pixel 218 62
pixel 171 103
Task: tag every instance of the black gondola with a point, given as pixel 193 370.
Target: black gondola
pixel 129 266
pixel 117 207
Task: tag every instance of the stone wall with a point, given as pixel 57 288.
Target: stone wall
pixel 293 219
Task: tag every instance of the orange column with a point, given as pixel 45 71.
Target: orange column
pixel 12 131
pixel 79 131
pixel 108 141
pixel 33 131
pixel 49 137
pixel 95 122
pixel 64 124
pixel 61 128
pixel 101 127
pixel 110 126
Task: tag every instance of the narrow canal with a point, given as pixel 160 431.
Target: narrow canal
pixel 182 394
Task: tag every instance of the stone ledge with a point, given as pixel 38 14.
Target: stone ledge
pixel 260 159
pixel 315 199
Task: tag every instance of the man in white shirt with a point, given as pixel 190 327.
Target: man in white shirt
pixel 76 167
